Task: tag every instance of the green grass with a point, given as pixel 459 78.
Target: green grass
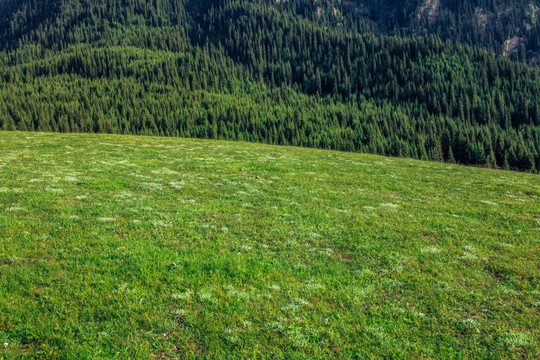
pixel 136 247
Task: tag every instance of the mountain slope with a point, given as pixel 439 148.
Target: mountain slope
pixel 271 72
pixel 501 26
pixel 506 27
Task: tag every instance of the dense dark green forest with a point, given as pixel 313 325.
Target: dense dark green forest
pixel 395 78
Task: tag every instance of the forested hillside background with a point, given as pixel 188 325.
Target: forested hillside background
pixel 446 80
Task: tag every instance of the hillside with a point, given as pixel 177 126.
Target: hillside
pixel 509 28
pixel 282 73
pixel 506 27
pixel 143 247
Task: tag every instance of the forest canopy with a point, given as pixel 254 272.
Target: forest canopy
pixel 367 76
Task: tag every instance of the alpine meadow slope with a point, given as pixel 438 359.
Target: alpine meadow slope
pixel 135 247
pixel 147 211
pixel 362 76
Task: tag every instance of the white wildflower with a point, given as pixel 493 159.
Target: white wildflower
pixel 182 296
pixel 151 186
pixel 277 325
pixel 246 324
pixel 470 322
pixel 54 190
pixel 176 184
pixel 246 248
pixel 178 314
pixel 230 336
pixel 207 297
pixel 469 257
pixel 160 223
pixel 431 249
pixel 390 206
pixel 312 284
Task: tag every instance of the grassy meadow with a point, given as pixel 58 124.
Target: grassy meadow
pixel 130 247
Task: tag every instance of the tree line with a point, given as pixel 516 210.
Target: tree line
pixel 250 71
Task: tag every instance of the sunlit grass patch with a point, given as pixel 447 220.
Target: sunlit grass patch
pixel 226 250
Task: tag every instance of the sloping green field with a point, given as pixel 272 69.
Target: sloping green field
pixel 137 247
